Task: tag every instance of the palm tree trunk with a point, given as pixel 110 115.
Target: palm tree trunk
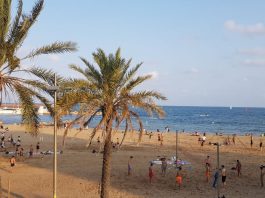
pixel 106 168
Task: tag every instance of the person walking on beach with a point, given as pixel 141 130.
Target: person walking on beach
pixel 260 145
pixel 262 173
pixel 216 177
pixel 251 140
pixel 130 165
pixel 223 172
pixel 151 173
pixel 238 167
pixel 164 167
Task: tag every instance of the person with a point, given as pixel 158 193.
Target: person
pixel 262 173
pixel 207 161
pixel 203 139
pixel 260 145
pixel 178 179
pixel 130 165
pixel 150 135
pixel 238 167
pixel 251 140
pixel 164 166
pixel 31 151
pixel 161 140
pixel 21 152
pixel 207 172
pixel 234 139
pixel 216 177
pixel 158 137
pixel 12 161
pixel 38 147
pixel 151 173
pixel 223 172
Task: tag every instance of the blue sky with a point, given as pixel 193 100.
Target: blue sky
pixel 203 53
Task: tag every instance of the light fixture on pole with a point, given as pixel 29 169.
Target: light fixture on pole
pixel 54 89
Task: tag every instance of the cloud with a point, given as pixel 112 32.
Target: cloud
pixel 254 62
pixel 192 70
pixel 255 29
pixel 154 74
pixel 53 58
pixel 253 51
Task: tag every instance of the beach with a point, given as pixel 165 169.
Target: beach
pixel 79 170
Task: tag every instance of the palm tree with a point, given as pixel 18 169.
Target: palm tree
pixel 12 35
pixel 109 89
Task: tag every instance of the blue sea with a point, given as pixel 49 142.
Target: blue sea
pixel 238 120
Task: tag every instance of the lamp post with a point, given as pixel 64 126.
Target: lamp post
pixel 54 89
pixel 176 146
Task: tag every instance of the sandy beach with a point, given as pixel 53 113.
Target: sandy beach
pixel 79 170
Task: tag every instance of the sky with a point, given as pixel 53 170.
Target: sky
pixel 201 53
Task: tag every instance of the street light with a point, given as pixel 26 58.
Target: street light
pixel 54 89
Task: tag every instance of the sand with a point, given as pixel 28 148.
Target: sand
pixel 79 170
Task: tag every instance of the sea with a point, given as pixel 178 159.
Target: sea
pixel 227 120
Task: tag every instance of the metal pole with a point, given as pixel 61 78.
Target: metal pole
pixel 176 145
pixel 218 166
pixel 55 143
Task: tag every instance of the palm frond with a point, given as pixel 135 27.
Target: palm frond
pixel 54 48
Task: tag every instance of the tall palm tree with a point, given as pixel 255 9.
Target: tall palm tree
pixel 109 89
pixel 12 35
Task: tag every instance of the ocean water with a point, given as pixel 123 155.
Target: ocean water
pixel 238 120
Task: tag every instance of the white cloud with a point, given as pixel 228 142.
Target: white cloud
pixel 53 58
pixel 154 74
pixel 254 62
pixel 253 51
pixel 255 29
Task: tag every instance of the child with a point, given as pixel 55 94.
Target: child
pixel 178 179
pixel 151 173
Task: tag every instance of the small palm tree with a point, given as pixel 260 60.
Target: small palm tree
pixel 12 35
pixel 109 89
